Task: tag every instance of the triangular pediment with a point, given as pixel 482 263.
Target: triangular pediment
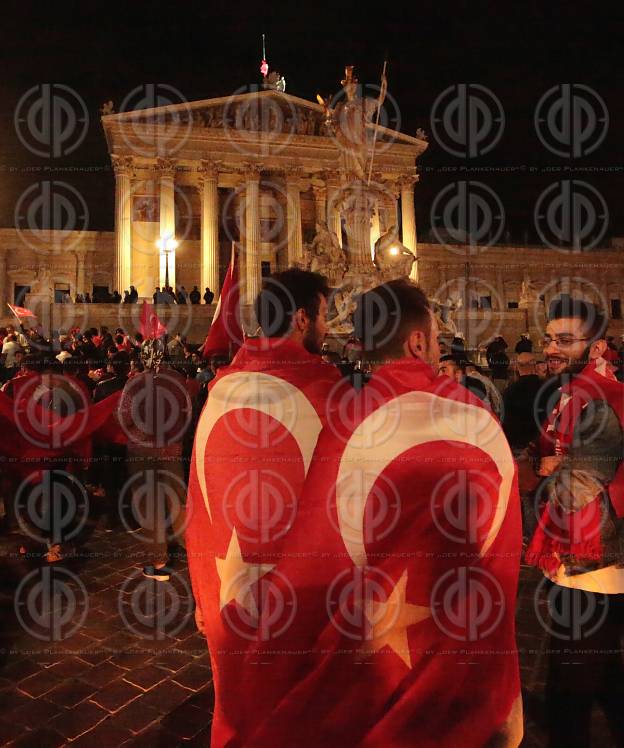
pixel 263 110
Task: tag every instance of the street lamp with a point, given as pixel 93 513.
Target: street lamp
pixel 167 245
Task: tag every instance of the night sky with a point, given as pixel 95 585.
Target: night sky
pixel 211 49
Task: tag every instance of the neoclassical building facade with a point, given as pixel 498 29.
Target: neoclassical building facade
pixel 268 171
pixel 259 168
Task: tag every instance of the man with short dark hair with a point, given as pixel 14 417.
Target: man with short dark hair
pixel 579 538
pixel 378 565
pixel 195 296
pixel 451 368
pixel 208 296
pixel 253 446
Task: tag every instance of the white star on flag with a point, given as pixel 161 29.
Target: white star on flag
pixel 238 578
pixel 391 619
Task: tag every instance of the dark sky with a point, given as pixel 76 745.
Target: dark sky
pixel 212 48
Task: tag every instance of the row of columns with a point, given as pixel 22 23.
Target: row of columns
pixel 325 195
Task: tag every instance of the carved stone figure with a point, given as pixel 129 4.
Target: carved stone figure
pixel 326 255
pixel 348 122
pixel 528 294
pixel 444 313
pixel 42 285
pixel 392 259
pixel 345 303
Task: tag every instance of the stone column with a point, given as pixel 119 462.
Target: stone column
pixel 166 169
pixel 358 207
pixel 123 222
pixel 388 208
pixel 604 290
pixel 500 290
pixel 409 220
pixel 319 189
pixel 333 205
pixel 253 275
pixel 81 256
pixel 293 201
pixel 3 283
pixel 375 226
pixel 209 197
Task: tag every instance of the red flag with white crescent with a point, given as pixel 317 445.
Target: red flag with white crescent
pixel 253 446
pixel 150 325
pixel 401 566
pixel 21 312
pixel 225 335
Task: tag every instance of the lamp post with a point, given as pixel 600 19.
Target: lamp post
pixel 167 245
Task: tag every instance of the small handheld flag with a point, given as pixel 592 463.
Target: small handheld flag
pixel 225 335
pixel 21 313
pixel 151 326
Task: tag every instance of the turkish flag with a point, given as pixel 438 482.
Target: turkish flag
pixel 21 312
pixel 253 446
pixel 225 336
pixel 387 616
pixel 151 326
pixel 51 416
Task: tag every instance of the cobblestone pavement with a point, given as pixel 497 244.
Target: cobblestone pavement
pixel 118 679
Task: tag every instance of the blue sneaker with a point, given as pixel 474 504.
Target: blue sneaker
pixel 160 575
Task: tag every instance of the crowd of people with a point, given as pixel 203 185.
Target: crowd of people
pixel 164 295
pixel 537 469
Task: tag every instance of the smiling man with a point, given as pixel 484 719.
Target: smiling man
pixel 579 539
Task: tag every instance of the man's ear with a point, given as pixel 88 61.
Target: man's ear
pixel 597 348
pixel 300 320
pixel 415 343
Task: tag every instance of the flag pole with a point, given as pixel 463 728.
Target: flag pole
pixel 379 103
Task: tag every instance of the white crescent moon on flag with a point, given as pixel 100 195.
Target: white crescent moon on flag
pixel 421 420
pixel 253 390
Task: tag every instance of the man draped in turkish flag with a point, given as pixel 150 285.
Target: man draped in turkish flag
pixel 253 446
pixel 387 617
pixel 404 558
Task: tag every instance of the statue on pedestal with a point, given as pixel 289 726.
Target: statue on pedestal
pixel 392 258
pixel 42 285
pixel 326 256
pixel 347 122
pixel 528 294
